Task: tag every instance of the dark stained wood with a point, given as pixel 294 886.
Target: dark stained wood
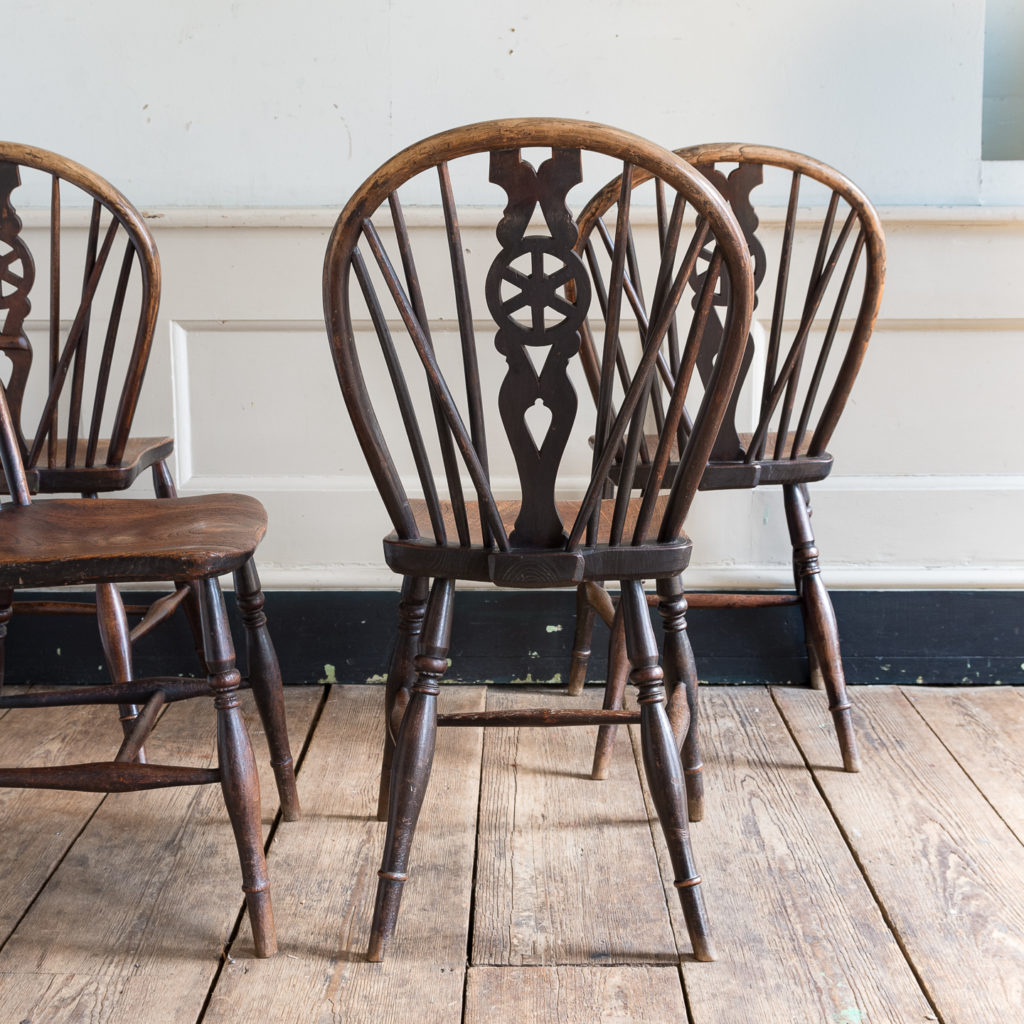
pixel 538 290
pixel 92 378
pixel 795 420
pixel 65 541
pixel 942 862
pixel 193 540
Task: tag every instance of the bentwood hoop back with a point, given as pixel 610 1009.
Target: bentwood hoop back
pixel 79 293
pixel 480 415
pixel 819 276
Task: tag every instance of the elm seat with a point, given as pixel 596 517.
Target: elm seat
pixel 481 562
pixel 140 454
pixel 61 542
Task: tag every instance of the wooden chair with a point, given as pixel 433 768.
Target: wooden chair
pixel 73 409
pixel 106 542
pixel 434 396
pixel 821 299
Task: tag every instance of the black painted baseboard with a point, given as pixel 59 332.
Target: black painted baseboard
pixel 935 638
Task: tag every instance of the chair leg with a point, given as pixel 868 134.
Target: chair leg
pixel 662 764
pixel 265 680
pixel 681 683
pixel 6 611
pixel 117 650
pixel 401 675
pixel 820 621
pixel 817 679
pixel 581 642
pixel 414 754
pixel 614 692
pixel 239 780
pixel 163 487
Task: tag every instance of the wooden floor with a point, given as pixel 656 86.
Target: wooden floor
pixel 896 895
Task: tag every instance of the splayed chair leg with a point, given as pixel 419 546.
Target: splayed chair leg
pixel 265 680
pixel 614 694
pixel 238 777
pixel 820 622
pixel 662 764
pixel 414 755
pixel 681 683
pixel 117 650
pixel 401 675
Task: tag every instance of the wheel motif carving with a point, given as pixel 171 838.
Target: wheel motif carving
pixel 555 287
pixel 17 271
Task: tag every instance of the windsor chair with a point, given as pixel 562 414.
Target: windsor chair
pixel 73 419
pixel 105 542
pixel 794 383
pixel 501 410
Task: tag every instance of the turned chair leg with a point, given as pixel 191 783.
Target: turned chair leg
pixel 163 487
pixel 614 694
pixel 412 608
pixel 662 764
pixel 117 651
pixel 681 682
pixel 591 599
pixel 820 622
pixel 582 639
pixel 817 679
pixel 265 681
pixel 414 754
pixel 238 777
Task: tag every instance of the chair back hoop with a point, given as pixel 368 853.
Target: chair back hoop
pixel 90 390
pixel 538 292
pixel 806 376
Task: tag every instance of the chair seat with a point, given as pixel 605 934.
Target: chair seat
pixel 140 454
pixel 534 568
pixel 67 541
pixel 727 474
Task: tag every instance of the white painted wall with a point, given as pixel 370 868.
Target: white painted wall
pixel 260 118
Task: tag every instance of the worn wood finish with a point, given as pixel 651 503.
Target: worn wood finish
pixel 797 951
pixel 554 846
pixel 808 369
pixel 77 439
pixel 132 924
pixel 193 540
pixel 538 291
pixel 948 869
pixel 982 729
pixel 324 884
pixel 141 939
pixel 576 995
pixel 55 542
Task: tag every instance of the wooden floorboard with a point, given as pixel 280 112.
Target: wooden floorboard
pixel 895 896
pixel 132 924
pixel 634 994
pixel 38 826
pixel 984 731
pixel 940 860
pixel 795 926
pixel 325 873
pixel 566 873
